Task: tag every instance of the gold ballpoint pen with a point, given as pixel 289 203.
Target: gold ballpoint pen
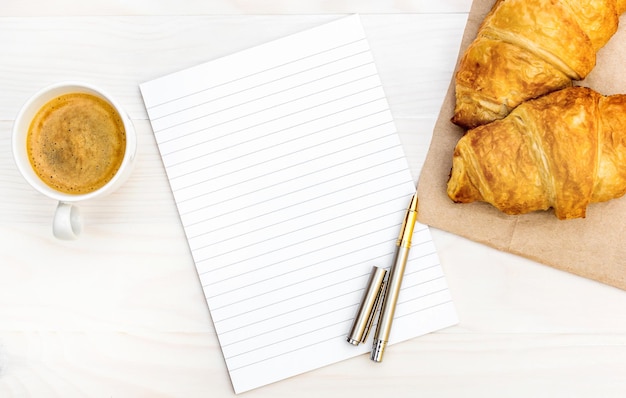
pixel 394 282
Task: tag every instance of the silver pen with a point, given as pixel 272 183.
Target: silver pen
pixel 394 282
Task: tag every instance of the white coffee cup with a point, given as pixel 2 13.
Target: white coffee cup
pixel 67 222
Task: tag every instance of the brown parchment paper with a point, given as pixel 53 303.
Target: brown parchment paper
pixel 593 247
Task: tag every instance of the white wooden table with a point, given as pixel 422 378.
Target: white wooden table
pixel 120 312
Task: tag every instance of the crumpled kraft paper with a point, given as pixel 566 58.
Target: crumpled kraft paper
pixel 593 247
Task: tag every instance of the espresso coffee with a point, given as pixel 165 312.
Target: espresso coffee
pixel 76 143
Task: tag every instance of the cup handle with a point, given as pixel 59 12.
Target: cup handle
pixel 67 224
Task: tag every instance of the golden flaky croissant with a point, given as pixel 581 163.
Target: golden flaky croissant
pixel 563 150
pixel 527 48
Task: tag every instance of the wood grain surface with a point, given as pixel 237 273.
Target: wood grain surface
pixel 120 312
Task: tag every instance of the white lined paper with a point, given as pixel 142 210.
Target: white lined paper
pixel 291 183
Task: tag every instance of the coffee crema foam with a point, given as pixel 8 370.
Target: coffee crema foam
pixel 76 143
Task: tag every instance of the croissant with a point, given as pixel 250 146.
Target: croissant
pixel 527 48
pixel 563 150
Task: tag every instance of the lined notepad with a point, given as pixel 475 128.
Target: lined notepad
pixel 291 184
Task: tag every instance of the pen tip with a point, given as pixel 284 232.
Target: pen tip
pixel 377 350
